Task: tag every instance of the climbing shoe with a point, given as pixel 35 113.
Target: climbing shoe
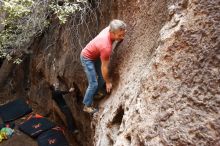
pixel 90 110
pixel 100 94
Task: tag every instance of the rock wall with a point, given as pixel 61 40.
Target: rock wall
pixel 168 87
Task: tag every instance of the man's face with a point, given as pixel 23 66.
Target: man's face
pixel 119 35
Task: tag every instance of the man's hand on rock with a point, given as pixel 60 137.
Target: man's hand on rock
pixel 108 87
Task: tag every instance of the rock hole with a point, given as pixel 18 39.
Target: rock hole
pixel 118 117
pixel 128 137
pixel 111 142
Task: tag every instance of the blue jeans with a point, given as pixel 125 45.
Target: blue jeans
pixel 93 72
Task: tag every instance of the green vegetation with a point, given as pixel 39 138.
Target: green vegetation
pixel 23 20
pixel 65 9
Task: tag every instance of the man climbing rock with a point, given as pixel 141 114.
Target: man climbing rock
pixel 57 96
pixel 95 58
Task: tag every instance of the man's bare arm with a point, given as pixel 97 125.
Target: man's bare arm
pixel 104 68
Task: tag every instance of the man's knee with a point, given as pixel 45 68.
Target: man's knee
pixel 93 85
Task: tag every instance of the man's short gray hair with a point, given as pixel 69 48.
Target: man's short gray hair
pixel 117 25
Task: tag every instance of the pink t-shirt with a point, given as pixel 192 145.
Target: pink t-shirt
pixel 100 46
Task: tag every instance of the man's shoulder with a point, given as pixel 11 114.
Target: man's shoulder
pixel 103 34
pixel 102 39
pixel 103 43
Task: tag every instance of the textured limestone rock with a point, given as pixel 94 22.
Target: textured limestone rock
pixel 168 90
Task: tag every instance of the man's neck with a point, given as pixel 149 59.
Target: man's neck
pixel 111 37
